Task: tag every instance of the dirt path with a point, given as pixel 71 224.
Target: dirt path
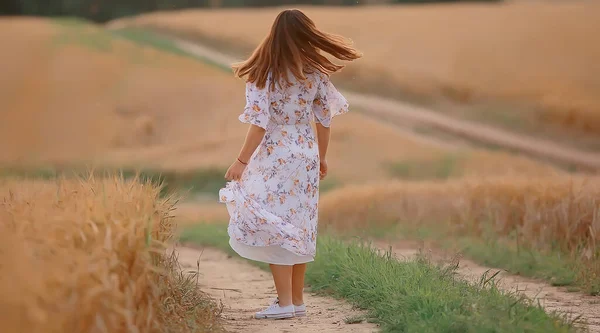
pixel 571 304
pixel 245 289
pixel 553 299
pixel 396 112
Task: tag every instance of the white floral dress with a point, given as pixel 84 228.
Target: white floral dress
pixel 274 207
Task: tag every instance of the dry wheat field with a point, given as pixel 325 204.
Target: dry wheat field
pixel 145 106
pixel 528 65
pixel 72 93
pixel 88 255
pixel 150 108
pixel 544 214
pixel 133 96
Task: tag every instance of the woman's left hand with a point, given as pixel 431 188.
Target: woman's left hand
pixel 235 171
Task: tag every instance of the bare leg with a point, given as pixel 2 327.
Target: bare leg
pixel 298 284
pixel 282 276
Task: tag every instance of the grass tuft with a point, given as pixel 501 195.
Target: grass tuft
pixel 357 319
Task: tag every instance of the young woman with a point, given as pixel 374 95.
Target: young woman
pixel 274 190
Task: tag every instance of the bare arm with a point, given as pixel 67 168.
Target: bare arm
pixel 328 103
pixel 253 138
pixel 323 134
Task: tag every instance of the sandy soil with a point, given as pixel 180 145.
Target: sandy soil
pixel 244 289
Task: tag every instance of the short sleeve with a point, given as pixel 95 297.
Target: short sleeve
pixel 328 102
pixel 256 111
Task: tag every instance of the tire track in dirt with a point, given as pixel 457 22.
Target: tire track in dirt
pixel 399 113
pixel 244 289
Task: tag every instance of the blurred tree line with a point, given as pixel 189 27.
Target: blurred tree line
pixel 105 10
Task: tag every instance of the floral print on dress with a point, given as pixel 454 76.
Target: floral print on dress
pixel 276 201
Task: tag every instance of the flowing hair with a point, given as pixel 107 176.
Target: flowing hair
pixel 294 44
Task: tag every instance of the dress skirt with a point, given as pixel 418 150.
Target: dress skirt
pixel 273 208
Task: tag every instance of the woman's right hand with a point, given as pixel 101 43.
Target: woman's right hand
pixel 235 171
pixel 323 169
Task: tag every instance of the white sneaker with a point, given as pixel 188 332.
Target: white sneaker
pixel 300 310
pixel 274 311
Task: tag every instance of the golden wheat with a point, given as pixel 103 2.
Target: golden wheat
pixel 533 54
pixel 138 97
pixel 89 255
pixel 142 109
pixel 544 210
pixel 542 213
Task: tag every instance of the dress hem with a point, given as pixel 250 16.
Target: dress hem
pixel 239 249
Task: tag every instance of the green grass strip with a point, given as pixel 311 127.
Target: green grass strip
pixel 152 39
pixel 409 296
pixel 74 31
pixel 205 181
pixel 448 166
pixel 555 267
pixel 488 249
pixel 558 269
pixel 197 181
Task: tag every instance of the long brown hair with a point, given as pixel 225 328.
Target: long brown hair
pixel 294 44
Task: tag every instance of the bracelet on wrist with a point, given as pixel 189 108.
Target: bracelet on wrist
pixel 241 161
